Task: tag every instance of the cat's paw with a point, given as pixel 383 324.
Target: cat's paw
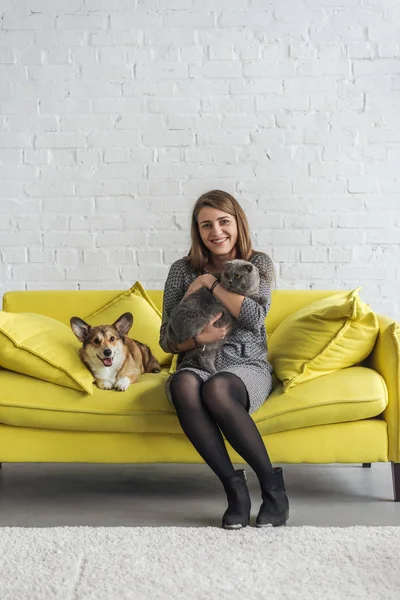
pixel 122 384
pixel 104 384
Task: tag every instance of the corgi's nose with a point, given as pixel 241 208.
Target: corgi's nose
pixel 107 352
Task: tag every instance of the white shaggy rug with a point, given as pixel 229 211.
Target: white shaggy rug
pixel 76 563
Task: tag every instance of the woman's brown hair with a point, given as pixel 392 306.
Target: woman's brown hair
pixel 198 254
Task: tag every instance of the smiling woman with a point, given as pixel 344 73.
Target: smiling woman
pixel 217 231
pixel 212 406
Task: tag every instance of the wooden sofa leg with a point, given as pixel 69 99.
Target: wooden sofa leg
pixel 396 481
pixel 366 465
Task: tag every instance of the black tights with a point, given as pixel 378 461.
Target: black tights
pixel 220 404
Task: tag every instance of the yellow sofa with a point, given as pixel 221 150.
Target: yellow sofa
pixel 349 416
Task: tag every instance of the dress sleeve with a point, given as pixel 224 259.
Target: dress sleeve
pixel 174 290
pixel 252 314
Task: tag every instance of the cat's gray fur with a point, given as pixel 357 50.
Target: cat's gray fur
pixel 193 313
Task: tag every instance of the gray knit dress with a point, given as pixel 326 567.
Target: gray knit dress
pixel 244 351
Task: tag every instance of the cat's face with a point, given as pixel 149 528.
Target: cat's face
pixel 241 277
pixel 218 231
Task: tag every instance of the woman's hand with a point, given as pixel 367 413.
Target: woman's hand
pixel 210 334
pixel 205 280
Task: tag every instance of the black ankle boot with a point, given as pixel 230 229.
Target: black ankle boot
pixel 237 515
pixel 275 507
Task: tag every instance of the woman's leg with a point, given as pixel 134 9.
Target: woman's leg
pixel 198 425
pixel 225 397
pixel 206 437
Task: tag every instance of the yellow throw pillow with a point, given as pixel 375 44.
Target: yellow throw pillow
pixel 43 348
pixel 324 336
pixel 146 319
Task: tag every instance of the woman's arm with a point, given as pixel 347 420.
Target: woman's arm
pixel 233 302
pixel 173 294
pixel 208 335
pixel 248 312
pixel 252 314
pixel 174 291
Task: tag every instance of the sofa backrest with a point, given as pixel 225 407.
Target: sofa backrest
pixel 62 305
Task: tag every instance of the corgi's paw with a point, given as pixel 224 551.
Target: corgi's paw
pixel 122 384
pixel 104 384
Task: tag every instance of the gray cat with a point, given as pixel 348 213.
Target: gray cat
pixel 193 313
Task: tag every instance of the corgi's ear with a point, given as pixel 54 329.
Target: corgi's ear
pixel 80 328
pixel 124 323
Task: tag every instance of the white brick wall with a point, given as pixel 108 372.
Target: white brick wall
pixel 115 115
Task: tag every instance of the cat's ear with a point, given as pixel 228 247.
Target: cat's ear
pixel 227 267
pixel 249 268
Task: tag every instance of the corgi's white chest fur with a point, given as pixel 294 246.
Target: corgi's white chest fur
pixel 108 373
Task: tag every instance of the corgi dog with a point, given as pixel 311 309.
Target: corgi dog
pixel 114 360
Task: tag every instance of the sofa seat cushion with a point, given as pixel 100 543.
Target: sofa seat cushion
pixel 29 402
pixel 347 395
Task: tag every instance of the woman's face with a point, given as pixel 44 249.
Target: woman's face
pixel 218 231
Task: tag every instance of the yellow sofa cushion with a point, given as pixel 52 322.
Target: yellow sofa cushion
pixel 146 318
pixel 44 348
pixel 322 337
pixel 174 364
pixel 346 395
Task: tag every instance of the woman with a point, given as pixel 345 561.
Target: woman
pixel 209 407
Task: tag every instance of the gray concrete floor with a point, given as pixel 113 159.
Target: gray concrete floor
pixel 48 495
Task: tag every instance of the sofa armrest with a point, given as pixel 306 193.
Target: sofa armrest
pixel 385 359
